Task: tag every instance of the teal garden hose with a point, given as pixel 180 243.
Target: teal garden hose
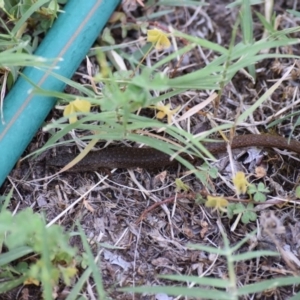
pixel 70 38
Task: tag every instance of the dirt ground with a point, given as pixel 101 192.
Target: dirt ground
pixel 154 241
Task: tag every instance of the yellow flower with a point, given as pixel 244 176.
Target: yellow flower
pixel 164 110
pixel 76 106
pixel 240 183
pixel 31 280
pixel 218 203
pixel 159 38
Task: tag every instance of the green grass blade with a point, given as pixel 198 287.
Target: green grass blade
pixel 268 284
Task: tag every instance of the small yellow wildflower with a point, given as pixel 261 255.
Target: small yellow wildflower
pixel 159 38
pixel 76 106
pixel 164 110
pixel 240 183
pixel 218 203
pixel 30 281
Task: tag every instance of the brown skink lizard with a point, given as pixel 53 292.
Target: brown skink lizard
pixel 149 158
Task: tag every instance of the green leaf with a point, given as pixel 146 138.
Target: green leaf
pixel 259 197
pixel 207 281
pixel 252 189
pixel 249 214
pixel 268 284
pixel 297 191
pixel 197 293
pixel 14 254
pixel 230 210
pixel 180 185
pixel 107 37
pixel 239 208
pixel 10 284
pixel 262 188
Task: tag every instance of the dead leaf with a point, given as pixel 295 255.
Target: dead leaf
pixel 88 206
